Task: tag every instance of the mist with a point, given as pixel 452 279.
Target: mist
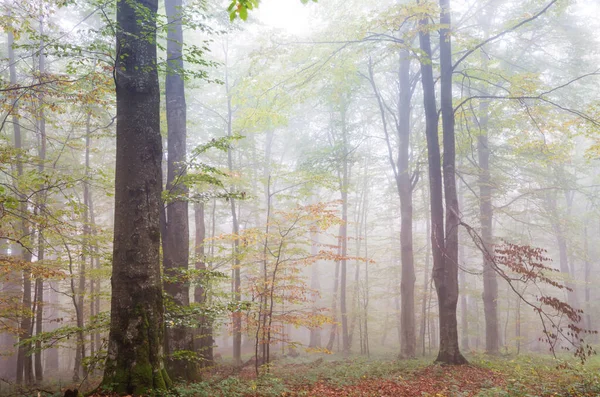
pixel 196 192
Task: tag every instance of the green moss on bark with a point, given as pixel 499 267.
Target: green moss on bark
pixel 141 369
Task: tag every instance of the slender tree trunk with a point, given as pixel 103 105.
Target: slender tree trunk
pixel 448 277
pixel 237 281
pixel 134 361
pixel 39 282
pixel 464 303
pixel 315 285
pixel 86 249
pixel 176 241
pixel 561 243
pixel 334 325
pixel 426 281
pixel 344 183
pixel 486 215
pixel 204 341
pixel 433 154
pixel 405 189
pixel 24 370
pixel 587 272
pixel 94 264
pixel 51 363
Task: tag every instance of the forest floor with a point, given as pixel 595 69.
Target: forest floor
pixel 524 375
pixel 319 375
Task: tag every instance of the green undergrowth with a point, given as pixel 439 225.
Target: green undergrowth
pixel 524 375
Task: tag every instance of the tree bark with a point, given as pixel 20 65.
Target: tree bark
pixel 178 338
pixel 447 277
pixel 134 361
pixel 444 246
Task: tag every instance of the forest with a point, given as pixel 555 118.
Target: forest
pixel 299 198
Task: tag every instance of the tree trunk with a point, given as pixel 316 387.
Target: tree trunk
pixel 587 272
pixel 444 246
pixel 447 278
pixel 404 184
pixel 86 249
pixel 236 275
pixel 344 234
pixel 336 281
pixel 462 278
pixel 204 341
pixel 51 363
pixel 24 364
pixel 178 338
pixel 134 361
pixel 486 215
pixel 315 285
pixel 39 282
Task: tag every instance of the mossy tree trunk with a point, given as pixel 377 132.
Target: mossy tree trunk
pixel 134 362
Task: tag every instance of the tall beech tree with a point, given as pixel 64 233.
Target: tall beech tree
pixel 444 245
pixel 404 179
pixel 175 222
pixel 134 362
pixel 446 278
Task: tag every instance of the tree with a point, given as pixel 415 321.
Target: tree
pixel 134 362
pixel 444 245
pixel 175 236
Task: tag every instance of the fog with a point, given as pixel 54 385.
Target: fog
pixel 323 180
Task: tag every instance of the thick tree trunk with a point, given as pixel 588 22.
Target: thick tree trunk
pixel 178 338
pixel 134 361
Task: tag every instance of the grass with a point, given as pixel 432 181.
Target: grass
pixel 317 375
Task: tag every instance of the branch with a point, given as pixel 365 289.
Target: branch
pixel 496 36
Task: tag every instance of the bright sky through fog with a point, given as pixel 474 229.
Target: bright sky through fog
pixel 290 15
